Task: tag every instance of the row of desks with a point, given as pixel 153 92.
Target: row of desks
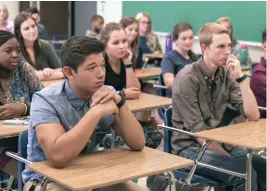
pixel 108 167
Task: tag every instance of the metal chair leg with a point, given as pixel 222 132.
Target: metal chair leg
pixel 249 170
pixel 199 156
pixel 172 186
pixel 10 182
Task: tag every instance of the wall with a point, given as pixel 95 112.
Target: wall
pixel 83 12
pixel 13 8
pixel 110 10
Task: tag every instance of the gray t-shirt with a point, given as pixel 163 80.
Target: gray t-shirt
pixel 47 57
pixel 59 104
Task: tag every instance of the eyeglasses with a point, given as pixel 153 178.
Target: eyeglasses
pixel 144 22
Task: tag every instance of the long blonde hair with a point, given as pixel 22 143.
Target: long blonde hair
pixel 150 34
pixel 224 20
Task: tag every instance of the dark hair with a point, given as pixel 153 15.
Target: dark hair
pixel 33 10
pixel 96 17
pixel 181 27
pixel 5 36
pixel 75 50
pixel 263 39
pixel 125 22
pixel 20 18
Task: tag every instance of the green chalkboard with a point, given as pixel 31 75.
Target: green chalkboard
pixel 248 18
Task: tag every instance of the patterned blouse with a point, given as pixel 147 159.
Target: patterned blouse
pixel 24 84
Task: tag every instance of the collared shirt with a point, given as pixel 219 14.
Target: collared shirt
pixel 258 84
pixel 59 104
pixel 200 102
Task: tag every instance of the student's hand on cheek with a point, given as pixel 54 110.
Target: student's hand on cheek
pixel 233 65
pixel 48 72
pixel 11 110
pixel 132 93
pixel 128 58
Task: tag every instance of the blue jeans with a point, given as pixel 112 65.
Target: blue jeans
pixel 236 163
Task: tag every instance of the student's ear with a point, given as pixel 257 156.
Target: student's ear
pixel 68 72
pixel 264 46
pixel 203 47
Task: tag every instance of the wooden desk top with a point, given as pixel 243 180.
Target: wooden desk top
pixel 147 72
pixel 58 41
pixel 50 82
pixel 251 135
pixel 11 130
pixel 110 167
pixel 153 55
pixel 147 102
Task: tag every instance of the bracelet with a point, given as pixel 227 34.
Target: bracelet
pixel 26 109
pixel 129 66
pixel 242 78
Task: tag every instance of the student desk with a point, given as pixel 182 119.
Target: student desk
pixel 250 135
pixel 50 82
pixel 140 74
pixel 58 41
pixel 147 73
pixel 11 130
pixel 109 167
pixel 148 102
pixel 153 55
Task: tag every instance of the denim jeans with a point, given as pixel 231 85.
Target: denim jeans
pixel 236 163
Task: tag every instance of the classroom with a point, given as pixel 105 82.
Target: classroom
pixel 133 95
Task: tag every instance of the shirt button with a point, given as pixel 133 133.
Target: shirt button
pixel 78 108
pixel 206 78
pixel 209 87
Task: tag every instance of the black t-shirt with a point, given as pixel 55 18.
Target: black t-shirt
pixel 118 81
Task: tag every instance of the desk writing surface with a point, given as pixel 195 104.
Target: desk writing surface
pixel 110 167
pixel 251 134
pixel 11 130
pixel 153 55
pixel 147 102
pixel 147 72
pixel 50 82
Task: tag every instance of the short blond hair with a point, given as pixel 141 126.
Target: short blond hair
pixel 208 30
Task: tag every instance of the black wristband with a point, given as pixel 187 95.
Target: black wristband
pixel 121 103
pixel 129 66
pixel 238 80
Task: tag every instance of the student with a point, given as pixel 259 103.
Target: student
pixel 18 83
pixel 201 93
pixel 258 79
pixel 39 53
pixel 226 22
pixel 97 23
pixel 118 58
pixel 59 134
pixel 130 26
pixel 41 28
pixel 5 24
pixel 149 42
pixel 174 61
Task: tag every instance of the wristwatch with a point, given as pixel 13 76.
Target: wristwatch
pixel 242 78
pixel 121 103
pixel 129 66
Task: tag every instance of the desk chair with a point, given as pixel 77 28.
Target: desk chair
pixel 183 174
pixel 60 37
pixel 161 92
